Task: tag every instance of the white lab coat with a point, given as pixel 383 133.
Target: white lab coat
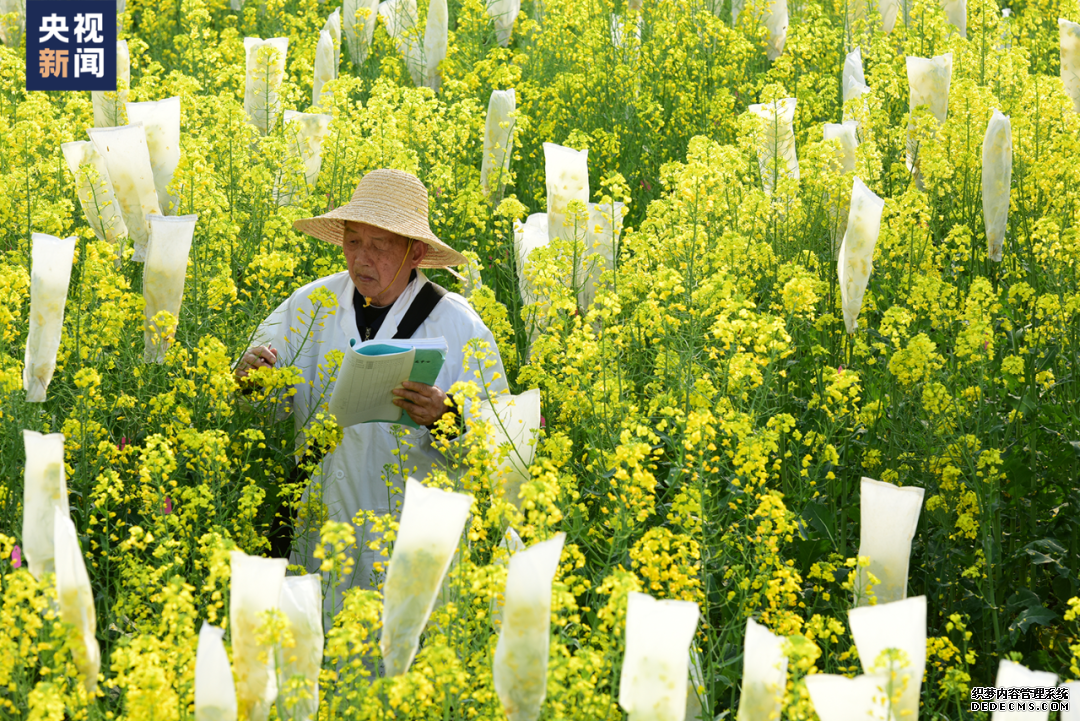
pixel 353 476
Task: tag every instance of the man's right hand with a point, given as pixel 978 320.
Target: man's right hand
pixel 260 356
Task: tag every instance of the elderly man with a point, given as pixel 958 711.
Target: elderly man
pixel 385 235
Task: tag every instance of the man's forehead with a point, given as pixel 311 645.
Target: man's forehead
pixel 372 231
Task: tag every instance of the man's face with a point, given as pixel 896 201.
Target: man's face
pixel 374 256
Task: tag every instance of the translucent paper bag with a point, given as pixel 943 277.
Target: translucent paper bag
pixel 1070 59
pixel 776 152
pixel 301 602
pixel 333 26
pixel 215 692
pixel 513 420
pixel 601 243
pixel 521 656
pixel 92 184
pixel 401 21
pixel 529 236
pixel 163 278
pixel 305 133
pixel 358 19
pixel 996 182
pixel 764 678
pixel 109 106
pixel 900 625
pixel 856 257
pixel 161 121
pixel 50 275
pixel 76 599
pixel 652 685
pixel 928 84
pixel 1073 689
pixel 435 39
pixel 839 698
pixel 431 524
pixel 12 22
pixel 503 13
pixel 776 22
pixel 127 158
pixel 956 14
pixel 1014 675
pixel 566 172
pixel 844 133
pixel 325 70
pixel 44 493
pixel 254 588
pixel 888 515
pixel 265 71
pixel 852 80
pixel 888 10
pixel 510 544
pixel 498 142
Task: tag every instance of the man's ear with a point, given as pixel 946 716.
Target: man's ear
pixel 419 252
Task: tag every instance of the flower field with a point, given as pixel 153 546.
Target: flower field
pixel 797 285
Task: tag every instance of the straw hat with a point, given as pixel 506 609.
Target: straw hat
pixel 392 200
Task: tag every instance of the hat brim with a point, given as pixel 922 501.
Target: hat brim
pixel 330 227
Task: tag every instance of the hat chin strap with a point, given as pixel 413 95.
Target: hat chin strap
pixel 408 251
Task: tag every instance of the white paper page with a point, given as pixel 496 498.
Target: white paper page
pixel 363 387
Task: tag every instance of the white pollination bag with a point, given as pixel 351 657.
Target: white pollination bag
pixel 503 13
pixel 402 22
pixel 888 515
pixel 652 686
pixel 928 84
pixel 856 256
pixel 852 79
pixel 601 245
pixel 44 493
pixel 839 698
pixel 215 692
pixel 1070 59
pixel 94 189
pixel 301 602
pixel 161 121
pixel 521 656
pixel 358 19
pixel 265 70
pixel 776 147
pixel 163 279
pixel 333 26
pixel 12 22
pixel 846 135
pixel 435 39
pixel 513 422
pixel 566 172
pixel 776 22
pixel 325 70
pixel 127 158
pixel 956 14
pixel 1014 675
pixel 304 133
pixel 431 524
pixel 1073 689
pixel 899 625
pixel 996 182
pixel 76 599
pixel 764 678
pixel 529 236
pixel 888 9
pixel 254 588
pixel 50 276
pixel 109 105
pixel 498 142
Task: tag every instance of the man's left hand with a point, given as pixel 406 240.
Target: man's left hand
pixel 425 404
